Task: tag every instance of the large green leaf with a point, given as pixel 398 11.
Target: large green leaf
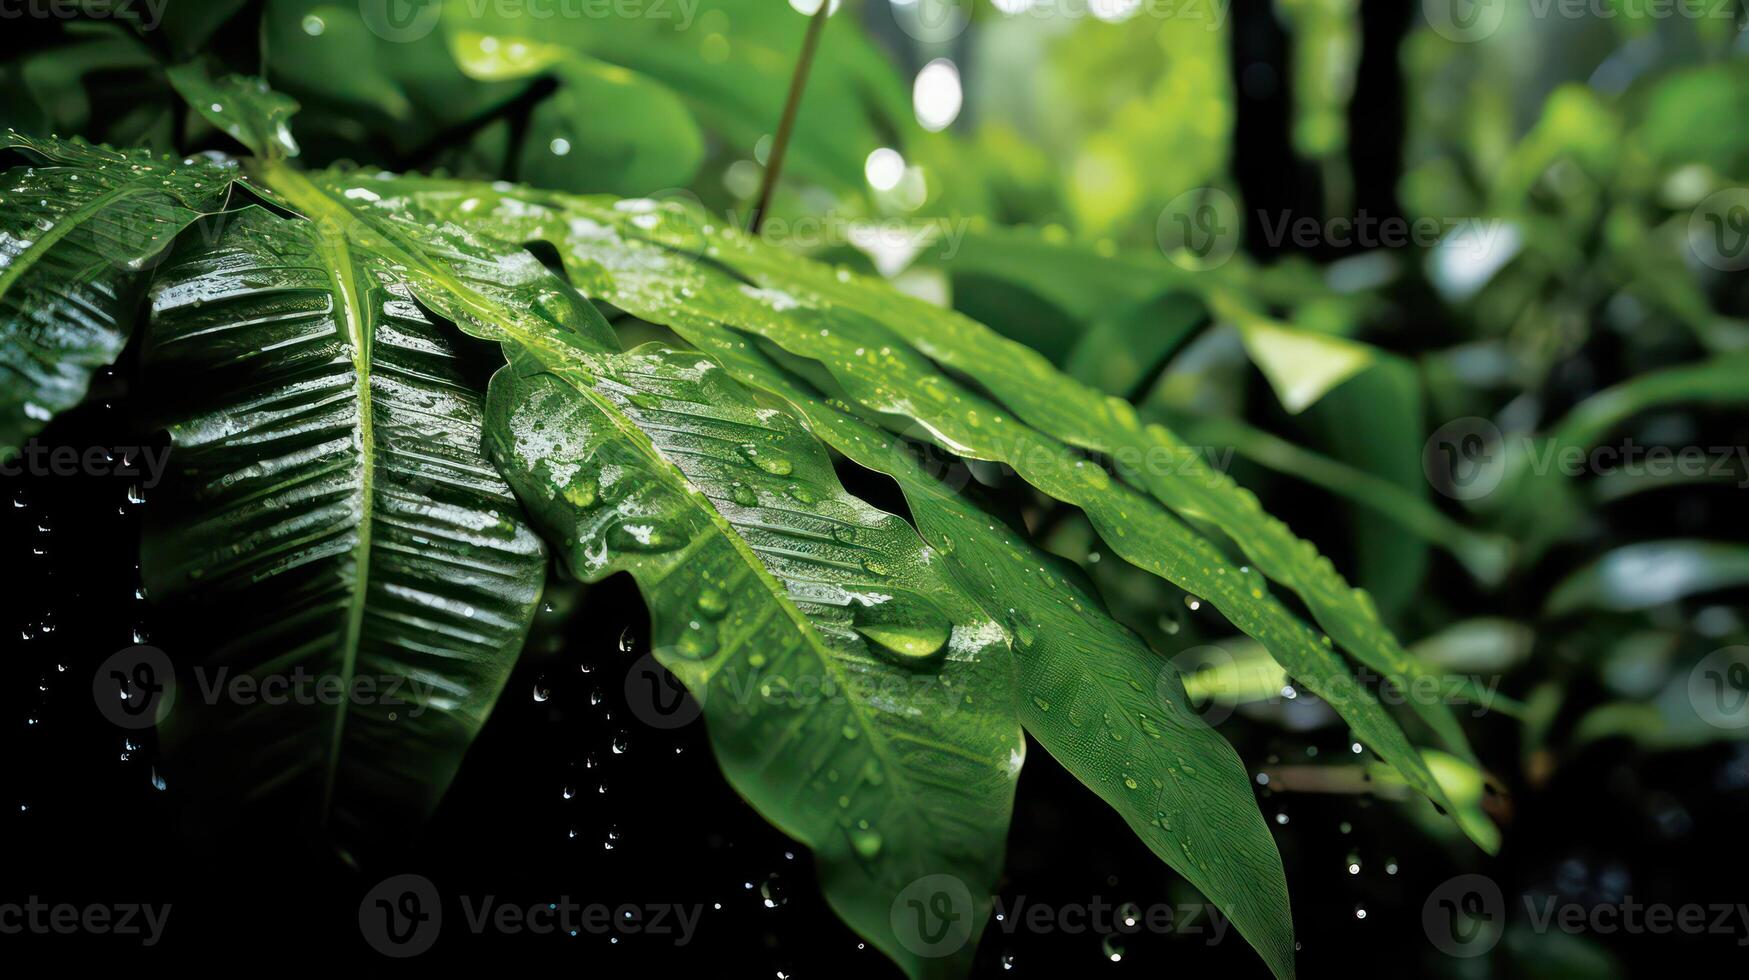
pixel 1242 878
pixel 695 298
pixel 1057 408
pixel 853 694
pixel 1172 779
pixel 879 368
pixel 1109 709
pixel 649 141
pixel 730 61
pixel 803 611
pixel 77 233
pixel 371 73
pixel 328 516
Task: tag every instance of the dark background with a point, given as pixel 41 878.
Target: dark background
pixel 84 822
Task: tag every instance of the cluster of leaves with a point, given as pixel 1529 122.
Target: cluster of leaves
pixel 480 89
pixel 1575 303
pixel 346 498
pixel 350 494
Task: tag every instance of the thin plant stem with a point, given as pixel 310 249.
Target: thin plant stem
pixel 797 83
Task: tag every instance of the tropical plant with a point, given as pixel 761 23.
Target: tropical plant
pixel 870 495
pixel 348 497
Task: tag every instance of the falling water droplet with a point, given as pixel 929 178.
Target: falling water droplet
pixel 1111 949
pixel 772 893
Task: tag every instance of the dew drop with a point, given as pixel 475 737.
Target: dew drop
pixel 712 603
pixel 906 628
pixel 867 843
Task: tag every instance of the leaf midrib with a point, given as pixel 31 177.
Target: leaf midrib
pixel 342 269
pixel 342 272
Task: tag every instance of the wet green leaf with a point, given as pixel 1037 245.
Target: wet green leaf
pixel 80 228
pixel 854 695
pixel 879 368
pixel 328 515
pixel 242 107
pixel 885 349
